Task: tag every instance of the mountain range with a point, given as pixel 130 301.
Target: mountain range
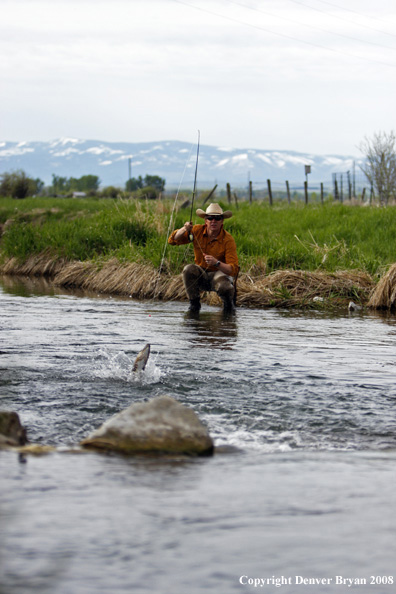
pixel 114 162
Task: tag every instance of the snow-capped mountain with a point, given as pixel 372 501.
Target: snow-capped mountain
pixel 172 160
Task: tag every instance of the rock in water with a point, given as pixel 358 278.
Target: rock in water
pixel 353 307
pixel 12 432
pixel 158 425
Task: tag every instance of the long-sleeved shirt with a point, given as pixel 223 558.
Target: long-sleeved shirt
pixel 222 247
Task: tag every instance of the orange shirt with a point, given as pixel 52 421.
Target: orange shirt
pixel 223 247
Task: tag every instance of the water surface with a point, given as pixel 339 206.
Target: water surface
pixel 307 400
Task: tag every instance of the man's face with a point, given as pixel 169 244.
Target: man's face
pixel 213 223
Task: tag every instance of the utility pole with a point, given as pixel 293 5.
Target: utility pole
pixel 307 170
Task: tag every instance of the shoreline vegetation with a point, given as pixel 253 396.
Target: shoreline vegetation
pixel 319 256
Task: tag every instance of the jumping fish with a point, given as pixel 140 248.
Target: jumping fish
pixel 141 359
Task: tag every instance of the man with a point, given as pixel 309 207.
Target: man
pixel 216 260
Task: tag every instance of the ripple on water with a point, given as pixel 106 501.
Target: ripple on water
pixel 307 399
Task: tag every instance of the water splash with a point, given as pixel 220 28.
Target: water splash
pixel 119 366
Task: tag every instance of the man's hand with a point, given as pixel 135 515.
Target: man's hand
pixel 210 260
pixel 187 228
pixel 223 267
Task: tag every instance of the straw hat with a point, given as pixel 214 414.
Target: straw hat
pixel 214 209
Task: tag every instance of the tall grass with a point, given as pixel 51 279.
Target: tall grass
pixel 325 237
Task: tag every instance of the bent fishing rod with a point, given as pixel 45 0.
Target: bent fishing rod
pixel 191 236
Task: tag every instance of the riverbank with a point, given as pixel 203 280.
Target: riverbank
pixel 320 256
pixel 283 288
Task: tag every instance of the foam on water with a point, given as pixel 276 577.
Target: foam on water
pixel 119 366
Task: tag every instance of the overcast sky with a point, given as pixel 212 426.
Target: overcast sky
pixel 305 75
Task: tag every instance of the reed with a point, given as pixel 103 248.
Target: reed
pixel 284 288
pixel 383 295
pixel 132 279
pixel 289 288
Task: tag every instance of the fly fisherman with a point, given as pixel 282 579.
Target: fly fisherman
pixel 216 260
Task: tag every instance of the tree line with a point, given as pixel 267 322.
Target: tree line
pixel 18 184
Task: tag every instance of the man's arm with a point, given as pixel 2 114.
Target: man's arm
pixel 187 228
pixel 180 236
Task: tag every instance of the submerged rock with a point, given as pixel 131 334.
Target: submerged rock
pixel 158 425
pixel 12 432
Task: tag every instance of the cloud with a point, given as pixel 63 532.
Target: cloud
pixel 242 71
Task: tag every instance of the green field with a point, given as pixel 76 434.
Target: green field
pixel 327 237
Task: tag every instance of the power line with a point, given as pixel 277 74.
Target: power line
pixel 359 13
pixel 364 41
pixel 284 35
pixel 341 18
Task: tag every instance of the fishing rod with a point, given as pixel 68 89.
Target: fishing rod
pixel 191 236
pixel 156 292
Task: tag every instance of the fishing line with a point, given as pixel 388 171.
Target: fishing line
pixel 191 236
pixel 171 221
pixel 170 226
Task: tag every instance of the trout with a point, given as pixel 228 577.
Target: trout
pixel 141 359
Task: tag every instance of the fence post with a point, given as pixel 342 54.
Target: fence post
pixel 342 188
pixel 354 181
pixel 306 191
pixel 250 192
pixel 349 186
pixel 229 193
pixel 269 191
pixel 210 195
pixel 288 192
pixel 321 192
pixel 336 197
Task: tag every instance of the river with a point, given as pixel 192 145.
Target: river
pixel 299 497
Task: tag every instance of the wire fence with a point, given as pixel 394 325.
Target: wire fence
pixel 344 186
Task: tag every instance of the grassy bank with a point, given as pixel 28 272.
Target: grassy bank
pixel 48 234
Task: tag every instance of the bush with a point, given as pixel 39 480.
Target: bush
pixel 110 192
pixel 18 185
pixel 380 165
pixel 147 192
